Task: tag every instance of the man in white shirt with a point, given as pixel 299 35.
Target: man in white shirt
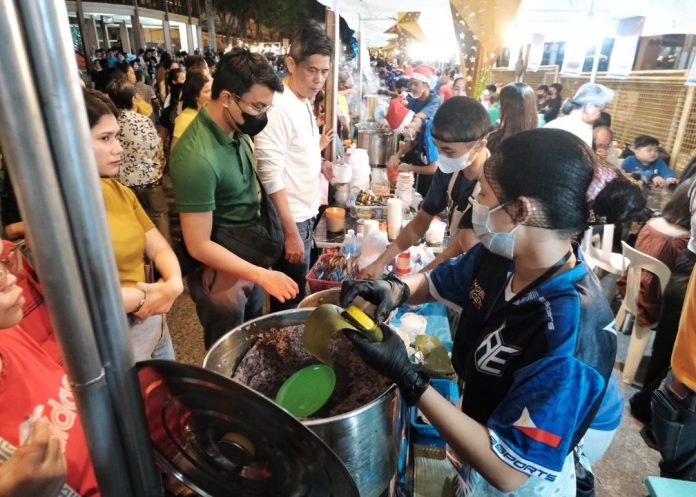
pixel 289 155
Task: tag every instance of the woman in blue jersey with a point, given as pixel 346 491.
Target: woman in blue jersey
pixel 536 341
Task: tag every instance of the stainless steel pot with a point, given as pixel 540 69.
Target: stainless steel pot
pixel 380 143
pixel 367 440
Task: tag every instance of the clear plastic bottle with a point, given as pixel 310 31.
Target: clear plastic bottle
pixel 349 248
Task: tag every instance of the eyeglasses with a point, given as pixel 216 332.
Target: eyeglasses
pixel 259 109
pixel 10 263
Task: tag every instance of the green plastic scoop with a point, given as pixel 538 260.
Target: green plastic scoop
pixel 308 389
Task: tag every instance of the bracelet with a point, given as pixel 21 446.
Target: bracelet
pixel 141 303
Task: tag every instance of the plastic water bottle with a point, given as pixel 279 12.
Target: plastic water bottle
pixel 349 248
pixel 358 244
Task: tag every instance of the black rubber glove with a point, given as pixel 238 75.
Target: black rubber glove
pixel 387 294
pixel 389 358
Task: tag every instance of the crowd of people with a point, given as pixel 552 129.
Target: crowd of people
pixel 519 173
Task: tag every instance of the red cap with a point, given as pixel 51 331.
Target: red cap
pixel 398 115
pixel 422 73
pixel 408 71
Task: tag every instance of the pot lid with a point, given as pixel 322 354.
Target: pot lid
pixel 221 438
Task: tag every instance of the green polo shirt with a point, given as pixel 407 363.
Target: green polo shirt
pixel 214 172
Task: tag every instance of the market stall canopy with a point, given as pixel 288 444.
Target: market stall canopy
pixel 556 19
pixel 374 17
pixel 553 18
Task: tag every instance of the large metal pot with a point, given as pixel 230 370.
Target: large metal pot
pixel 367 440
pixel 380 143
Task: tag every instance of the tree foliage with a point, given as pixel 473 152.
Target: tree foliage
pixel 282 17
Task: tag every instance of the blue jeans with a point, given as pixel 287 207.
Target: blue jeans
pixel 295 271
pixel 674 426
pixel 150 338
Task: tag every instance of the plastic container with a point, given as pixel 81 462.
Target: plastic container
pixel 314 283
pixel 367 211
pixel 394 217
pixel 436 233
pixel 426 434
pixel 403 263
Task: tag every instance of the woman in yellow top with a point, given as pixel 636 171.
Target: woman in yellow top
pixel 195 94
pixel 134 237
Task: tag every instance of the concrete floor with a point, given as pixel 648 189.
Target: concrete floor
pixel 621 472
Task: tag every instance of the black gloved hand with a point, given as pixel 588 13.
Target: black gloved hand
pixel 387 294
pixel 389 358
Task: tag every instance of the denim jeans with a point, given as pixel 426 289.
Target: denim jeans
pixel 223 301
pixel 296 271
pixel 674 426
pixel 150 338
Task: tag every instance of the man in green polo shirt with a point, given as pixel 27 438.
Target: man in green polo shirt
pixel 212 168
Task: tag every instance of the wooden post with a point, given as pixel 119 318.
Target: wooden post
pixel 86 40
pixel 683 121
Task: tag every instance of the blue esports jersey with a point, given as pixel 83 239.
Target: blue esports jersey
pixel 536 370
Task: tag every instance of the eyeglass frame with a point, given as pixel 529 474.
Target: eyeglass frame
pixel 10 263
pixel 259 112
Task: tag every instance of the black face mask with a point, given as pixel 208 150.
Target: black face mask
pixel 252 125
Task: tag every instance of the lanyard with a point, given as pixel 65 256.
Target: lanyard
pixel 537 282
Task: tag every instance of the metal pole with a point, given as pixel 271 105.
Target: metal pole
pixel 361 62
pixel 45 23
pixel 331 97
pixel 595 61
pixel 210 13
pixel 86 41
pixel 29 159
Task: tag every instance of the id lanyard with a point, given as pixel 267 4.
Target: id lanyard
pixel 537 282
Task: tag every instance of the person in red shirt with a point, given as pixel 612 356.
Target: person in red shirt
pixel 447 79
pixel 43 452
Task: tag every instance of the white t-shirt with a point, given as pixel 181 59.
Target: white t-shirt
pixel 288 154
pixel 573 124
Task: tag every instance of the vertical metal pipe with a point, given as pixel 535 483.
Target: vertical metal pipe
pixel 595 61
pixel 60 94
pixel 361 62
pixel 29 159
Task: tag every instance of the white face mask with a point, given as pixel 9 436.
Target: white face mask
pixel 500 243
pixel 451 165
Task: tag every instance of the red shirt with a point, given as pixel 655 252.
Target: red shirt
pixel 30 378
pixel 446 93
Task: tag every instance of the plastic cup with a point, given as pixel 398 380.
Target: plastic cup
pixel 436 233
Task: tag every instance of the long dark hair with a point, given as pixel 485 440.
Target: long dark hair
pixel 676 210
pixel 517 112
pixel 192 89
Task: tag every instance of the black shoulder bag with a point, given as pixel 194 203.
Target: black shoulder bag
pixel 260 242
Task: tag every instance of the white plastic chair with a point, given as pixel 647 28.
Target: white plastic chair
pixel 597 251
pixel 640 336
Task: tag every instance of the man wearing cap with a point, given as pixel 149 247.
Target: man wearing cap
pixel 424 104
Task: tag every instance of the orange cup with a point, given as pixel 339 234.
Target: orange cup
pixel 335 219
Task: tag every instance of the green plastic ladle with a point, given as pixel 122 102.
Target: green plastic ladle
pixel 307 390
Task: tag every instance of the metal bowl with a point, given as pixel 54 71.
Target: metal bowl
pixel 367 439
